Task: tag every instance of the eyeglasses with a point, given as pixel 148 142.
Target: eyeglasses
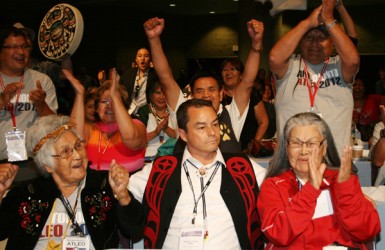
pixel 309 144
pixel 105 101
pixel 318 39
pixel 67 152
pixel 16 47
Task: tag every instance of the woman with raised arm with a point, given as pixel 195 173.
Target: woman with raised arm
pixel 115 134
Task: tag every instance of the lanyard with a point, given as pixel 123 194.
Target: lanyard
pixel 100 154
pixel 9 104
pixel 202 195
pixel 50 225
pixel 139 83
pixel 76 230
pixel 316 86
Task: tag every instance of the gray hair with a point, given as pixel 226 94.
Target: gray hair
pixel 280 161
pixel 42 127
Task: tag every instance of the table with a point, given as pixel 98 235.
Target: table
pixel 380 241
pixel 364 171
pixel 378 194
pixel 264 161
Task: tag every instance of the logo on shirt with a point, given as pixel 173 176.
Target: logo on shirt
pixel 58 225
pixel 23 104
pixel 329 78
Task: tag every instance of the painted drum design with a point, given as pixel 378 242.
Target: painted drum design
pixel 60 32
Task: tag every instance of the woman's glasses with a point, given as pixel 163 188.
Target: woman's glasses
pixel 309 144
pixel 67 152
pixel 105 101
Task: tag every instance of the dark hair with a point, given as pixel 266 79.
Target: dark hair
pixel 321 28
pixel 149 52
pixel 89 96
pixel 271 90
pixel 8 31
pixel 182 112
pixel 235 62
pixel 202 74
pixel 150 88
pixel 280 162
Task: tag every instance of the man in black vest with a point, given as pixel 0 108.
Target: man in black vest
pixel 207 86
pixel 203 198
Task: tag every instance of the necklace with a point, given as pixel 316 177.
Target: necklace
pixel 202 171
pixel 158 118
pixel 100 152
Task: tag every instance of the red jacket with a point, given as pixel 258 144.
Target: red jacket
pixel 286 213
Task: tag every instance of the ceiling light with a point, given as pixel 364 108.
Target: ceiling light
pixel 172 4
pixel 212 12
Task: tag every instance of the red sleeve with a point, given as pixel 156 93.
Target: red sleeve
pixel 285 213
pixel 357 215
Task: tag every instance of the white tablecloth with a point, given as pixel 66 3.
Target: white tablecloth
pixel 378 194
pixel 364 172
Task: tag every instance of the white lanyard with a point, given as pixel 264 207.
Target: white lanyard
pixel 203 190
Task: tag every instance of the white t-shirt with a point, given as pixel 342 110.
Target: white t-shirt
pixel 25 111
pixel 57 223
pixel 333 100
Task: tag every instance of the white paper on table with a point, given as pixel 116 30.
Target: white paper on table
pixel 376 193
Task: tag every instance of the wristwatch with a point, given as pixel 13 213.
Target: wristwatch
pixel 382 133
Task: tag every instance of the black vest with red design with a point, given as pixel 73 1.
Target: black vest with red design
pixel 239 189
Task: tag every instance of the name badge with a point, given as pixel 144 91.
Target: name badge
pixel 76 242
pixel 191 238
pixel 324 205
pixel 15 141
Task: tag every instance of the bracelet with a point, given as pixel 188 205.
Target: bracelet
pixel 257 50
pixel 330 25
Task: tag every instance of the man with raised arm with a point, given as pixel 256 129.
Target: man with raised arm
pixel 315 80
pixel 207 86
